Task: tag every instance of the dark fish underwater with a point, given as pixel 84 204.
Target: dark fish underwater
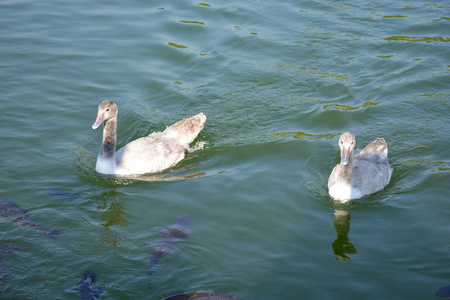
pixel 5 250
pixel 88 288
pixel 176 230
pixel 443 292
pixel 201 295
pixel 9 209
pixel 60 194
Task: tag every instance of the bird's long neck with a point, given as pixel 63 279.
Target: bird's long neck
pixel 108 148
pixel 347 170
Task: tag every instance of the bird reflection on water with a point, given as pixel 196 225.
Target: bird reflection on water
pixel 341 245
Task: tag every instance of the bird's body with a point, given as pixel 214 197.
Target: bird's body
pixel 362 174
pixel 153 153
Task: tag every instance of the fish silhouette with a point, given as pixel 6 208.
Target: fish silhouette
pixel 59 194
pixel 5 250
pixel 88 288
pixel 176 230
pixel 443 292
pixel 201 295
pixel 11 210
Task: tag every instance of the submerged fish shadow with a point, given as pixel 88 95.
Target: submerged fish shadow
pixel 178 229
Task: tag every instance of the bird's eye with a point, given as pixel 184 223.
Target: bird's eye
pixel 107 109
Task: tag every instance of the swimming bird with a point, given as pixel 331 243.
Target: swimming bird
pixel 153 153
pixel 362 174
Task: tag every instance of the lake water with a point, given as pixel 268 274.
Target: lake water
pixel 279 82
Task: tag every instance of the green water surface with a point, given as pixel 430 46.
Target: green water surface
pixel 279 81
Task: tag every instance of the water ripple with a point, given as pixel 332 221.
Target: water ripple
pixel 436 39
pixel 348 107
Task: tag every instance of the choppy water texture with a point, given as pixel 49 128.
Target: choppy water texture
pixel 278 81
